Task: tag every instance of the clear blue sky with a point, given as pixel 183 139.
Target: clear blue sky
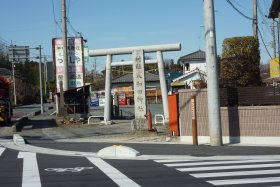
pixel 124 23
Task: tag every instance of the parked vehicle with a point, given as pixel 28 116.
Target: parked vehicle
pixel 5 102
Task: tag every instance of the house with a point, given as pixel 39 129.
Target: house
pixel 194 72
pixel 123 86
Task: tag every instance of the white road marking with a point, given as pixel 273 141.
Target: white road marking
pixel 118 177
pixel 30 174
pixel 228 167
pixel 245 181
pixel 236 173
pixel 217 162
pixel 170 161
pixel 2 149
pixel 60 170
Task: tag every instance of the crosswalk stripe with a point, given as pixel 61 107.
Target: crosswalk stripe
pixel 217 163
pixel 245 181
pixel 30 173
pixel 170 161
pixel 118 177
pixel 2 149
pixel 228 167
pixel 236 173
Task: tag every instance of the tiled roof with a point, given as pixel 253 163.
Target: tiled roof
pixel 274 9
pixel 128 78
pixel 195 56
pixel 202 73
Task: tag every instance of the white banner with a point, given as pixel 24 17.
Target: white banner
pixel 75 62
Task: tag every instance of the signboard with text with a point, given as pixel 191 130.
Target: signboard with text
pixel 139 85
pixel 75 61
pixel 274 68
pixel 19 53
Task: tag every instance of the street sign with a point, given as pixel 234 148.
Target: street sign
pixel 19 53
pixel 75 61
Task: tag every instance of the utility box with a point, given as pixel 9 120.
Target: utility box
pixel 173 114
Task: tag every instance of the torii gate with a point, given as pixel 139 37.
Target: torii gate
pixel 140 105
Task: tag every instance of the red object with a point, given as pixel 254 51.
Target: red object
pixel 149 120
pixel 122 101
pixel 4 88
pixel 173 114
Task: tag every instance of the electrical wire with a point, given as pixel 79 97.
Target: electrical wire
pixel 75 32
pixel 55 20
pixel 243 7
pixel 249 18
pixel 237 10
pixel 264 43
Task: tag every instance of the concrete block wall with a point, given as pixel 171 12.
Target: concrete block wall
pixel 238 123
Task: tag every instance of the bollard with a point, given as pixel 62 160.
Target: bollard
pixel 194 121
pixel 149 120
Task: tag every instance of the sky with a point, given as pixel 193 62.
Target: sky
pixel 125 23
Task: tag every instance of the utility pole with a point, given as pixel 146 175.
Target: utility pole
pixel 255 19
pixel 214 115
pixel 41 82
pixel 64 41
pixel 45 74
pixel 14 83
pixel 274 39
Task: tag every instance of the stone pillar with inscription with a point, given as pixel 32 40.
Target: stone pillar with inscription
pixel 139 90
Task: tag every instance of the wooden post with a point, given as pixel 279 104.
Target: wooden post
pixel 194 121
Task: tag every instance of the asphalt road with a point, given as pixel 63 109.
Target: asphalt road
pixel 162 149
pixel 31 169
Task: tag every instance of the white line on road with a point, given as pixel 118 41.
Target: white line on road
pixel 170 161
pixel 113 173
pixel 228 167
pixel 245 181
pixel 30 174
pixel 2 149
pixel 218 162
pixel 236 173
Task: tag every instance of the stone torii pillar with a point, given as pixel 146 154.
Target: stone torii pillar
pixel 138 76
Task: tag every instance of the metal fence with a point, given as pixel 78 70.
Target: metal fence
pixel 250 96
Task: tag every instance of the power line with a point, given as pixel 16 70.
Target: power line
pixel 237 10
pixel 68 19
pixel 55 20
pixel 242 7
pixel 264 43
pixel 71 26
pixel 264 18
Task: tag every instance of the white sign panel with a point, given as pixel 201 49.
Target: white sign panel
pixel 75 62
pixel 86 54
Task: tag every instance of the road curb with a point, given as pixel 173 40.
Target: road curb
pixel 18 140
pixel 18 125
pixel 118 151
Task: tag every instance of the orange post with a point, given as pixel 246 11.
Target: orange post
pixel 173 115
pixel 194 121
pixel 149 120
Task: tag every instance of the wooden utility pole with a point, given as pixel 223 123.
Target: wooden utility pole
pixel 274 39
pixel 255 19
